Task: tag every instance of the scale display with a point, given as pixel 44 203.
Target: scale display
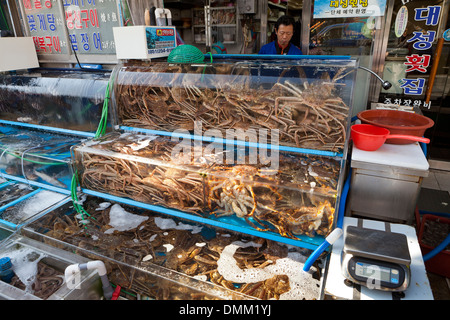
pixel 376 274
pixel 384 274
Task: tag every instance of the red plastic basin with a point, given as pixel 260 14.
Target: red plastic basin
pixel 397 122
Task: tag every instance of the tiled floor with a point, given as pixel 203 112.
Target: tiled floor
pixel 438 180
pixel 435 197
pixel 435 193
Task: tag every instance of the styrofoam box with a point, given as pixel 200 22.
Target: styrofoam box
pixel 17 53
pixel 144 42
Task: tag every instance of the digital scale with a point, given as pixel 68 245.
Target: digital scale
pixel 376 259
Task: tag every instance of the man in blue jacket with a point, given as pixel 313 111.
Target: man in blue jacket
pixel 284 29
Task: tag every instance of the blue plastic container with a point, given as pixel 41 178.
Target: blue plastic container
pixel 6 272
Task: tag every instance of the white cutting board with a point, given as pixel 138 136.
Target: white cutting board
pixel 408 156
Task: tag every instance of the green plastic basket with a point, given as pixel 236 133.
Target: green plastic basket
pixel 185 53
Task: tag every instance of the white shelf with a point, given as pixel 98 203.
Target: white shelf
pixel 224 25
pixel 222 8
pixel 216 25
pixel 197 28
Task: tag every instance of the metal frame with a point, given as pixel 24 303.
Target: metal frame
pixel 379 52
pixel 306 24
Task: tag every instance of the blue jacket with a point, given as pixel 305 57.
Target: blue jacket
pixel 271 48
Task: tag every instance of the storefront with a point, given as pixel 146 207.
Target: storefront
pixel 210 172
pixel 384 36
pixel 391 44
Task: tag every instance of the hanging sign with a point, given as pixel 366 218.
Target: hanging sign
pixel 90 24
pixel 64 26
pixel 45 26
pixel 421 41
pixel 348 8
pixel 401 21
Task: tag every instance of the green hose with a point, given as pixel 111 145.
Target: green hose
pixel 33 161
pixel 77 206
pixel 101 130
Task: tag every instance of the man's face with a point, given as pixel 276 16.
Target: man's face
pixel 284 34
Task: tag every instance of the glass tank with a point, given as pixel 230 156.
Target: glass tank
pixel 71 100
pixel 302 103
pixel 13 191
pixel 291 195
pixel 21 203
pixel 39 273
pixel 153 256
pixel 36 156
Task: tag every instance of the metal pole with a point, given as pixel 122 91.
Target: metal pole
pixel 208 26
pixel 379 52
pixel 306 25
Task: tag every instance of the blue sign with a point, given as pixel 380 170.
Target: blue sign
pixel 348 8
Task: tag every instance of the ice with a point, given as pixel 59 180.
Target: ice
pixel 168 247
pixel 22 185
pixel 141 144
pixel 147 257
pixel 171 224
pixel 201 277
pixel 121 220
pixel 81 200
pixel 103 206
pixel 33 205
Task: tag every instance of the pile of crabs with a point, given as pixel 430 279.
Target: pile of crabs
pixel 296 198
pixel 243 266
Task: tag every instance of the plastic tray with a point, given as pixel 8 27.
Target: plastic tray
pixel 440 263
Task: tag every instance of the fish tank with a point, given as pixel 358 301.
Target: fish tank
pixel 36 156
pixel 21 203
pixel 12 192
pixel 61 98
pixel 4 233
pixel 37 273
pixel 301 101
pixel 155 256
pixel 284 196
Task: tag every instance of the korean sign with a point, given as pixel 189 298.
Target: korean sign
pixel 64 26
pixel 90 24
pixel 45 26
pixel 419 60
pixel 421 40
pixel 348 8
